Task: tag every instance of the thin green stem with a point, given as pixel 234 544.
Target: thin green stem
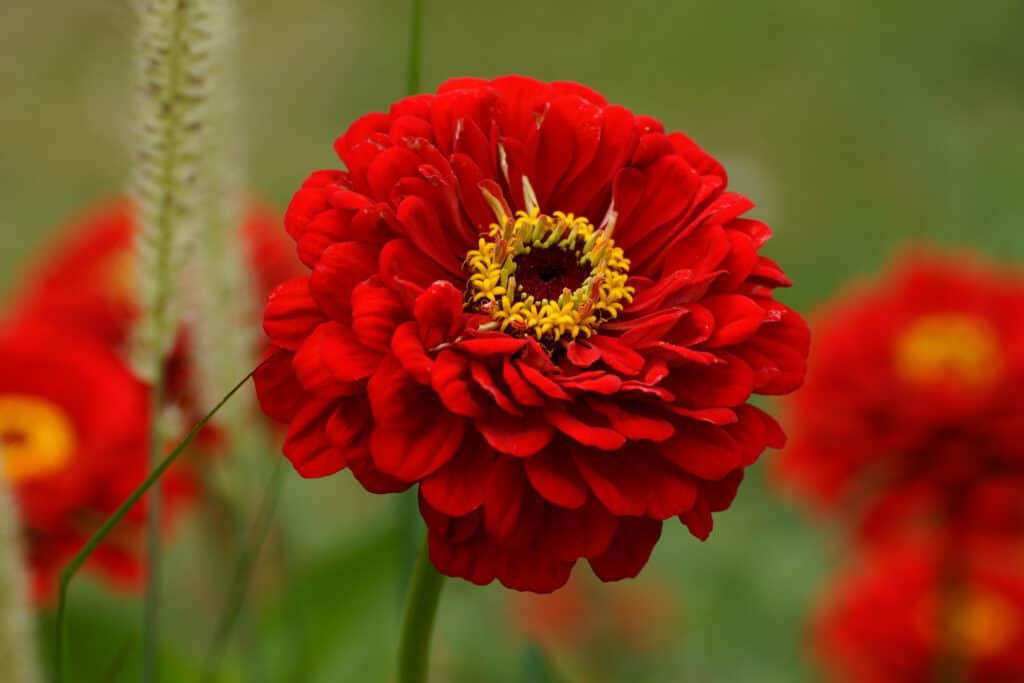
pixel 151 607
pixel 94 541
pixel 418 624
pixel 412 79
pixel 243 573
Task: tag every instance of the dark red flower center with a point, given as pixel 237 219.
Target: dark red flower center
pixel 546 273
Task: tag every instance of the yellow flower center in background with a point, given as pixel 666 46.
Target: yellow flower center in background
pixel 550 276
pixel 984 624
pixel 36 437
pixel 949 347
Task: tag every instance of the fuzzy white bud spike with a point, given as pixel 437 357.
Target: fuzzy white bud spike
pixel 177 46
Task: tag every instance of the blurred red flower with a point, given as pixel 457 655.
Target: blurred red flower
pixel 74 427
pixel 85 281
pixel 74 421
pixel 910 416
pixel 898 619
pixel 558 384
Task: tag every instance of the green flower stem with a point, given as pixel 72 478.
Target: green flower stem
pixel 418 625
pixel 80 558
pixel 252 545
pixel 151 607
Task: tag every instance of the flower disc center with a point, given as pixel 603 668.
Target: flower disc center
pixel 949 347
pixel 551 276
pixel 36 437
pixel 546 273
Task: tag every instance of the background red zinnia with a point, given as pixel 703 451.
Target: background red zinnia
pixel 896 619
pixel 74 430
pixel 911 413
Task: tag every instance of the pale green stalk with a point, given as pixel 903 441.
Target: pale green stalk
pixel 178 46
pixel 220 285
pixel 19 662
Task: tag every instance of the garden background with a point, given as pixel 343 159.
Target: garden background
pixel 855 126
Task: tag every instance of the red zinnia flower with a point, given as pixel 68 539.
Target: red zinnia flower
pixel 911 412
pixel 74 438
pixel 542 309
pixel 898 620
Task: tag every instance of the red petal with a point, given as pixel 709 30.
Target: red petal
pixel 279 392
pixel 397 400
pixel 291 314
pixel 439 314
pixel 458 488
pixel 554 476
pixel 400 261
pixel 703 450
pixel 581 354
pixel 339 270
pixel 620 488
pixel 413 456
pixel 631 425
pixel 541 381
pixel 348 422
pixel 504 496
pixel 331 359
pixel 699 520
pixel 482 376
pixel 521 390
pixel 585 532
pixel 420 224
pixel 376 312
pixel 360 463
pixel 408 349
pixel 617 355
pixel 514 435
pixel 586 434
pixel 450 378
pixel 307 445
pixel 629 550
pixel 737 318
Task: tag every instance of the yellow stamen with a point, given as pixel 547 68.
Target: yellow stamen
pixel 948 347
pixel 36 437
pixel 495 289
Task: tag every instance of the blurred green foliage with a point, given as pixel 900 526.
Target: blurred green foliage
pixel 856 126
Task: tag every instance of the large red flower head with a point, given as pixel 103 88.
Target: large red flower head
pixel 911 412
pixel 900 619
pixel 543 310
pixel 73 436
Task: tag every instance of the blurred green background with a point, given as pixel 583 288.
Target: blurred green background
pixel 855 126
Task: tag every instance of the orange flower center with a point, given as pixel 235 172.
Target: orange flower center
pixel 948 347
pixel 36 437
pixel 982 624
